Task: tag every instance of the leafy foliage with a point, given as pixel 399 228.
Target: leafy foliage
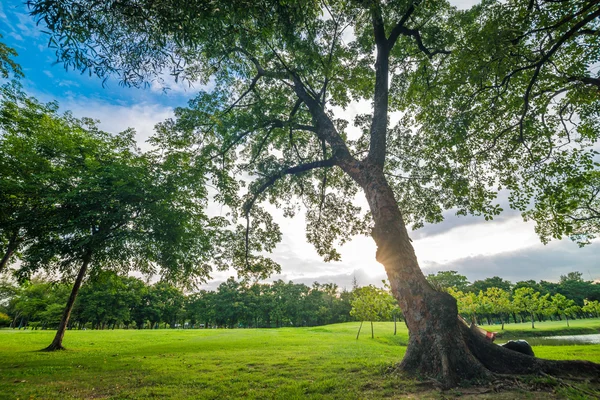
pixel 70 189
pixel 7 66
pixel 496 97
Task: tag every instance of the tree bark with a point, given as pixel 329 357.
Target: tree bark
pixel 440 345
pixel 13 243
pixel 60 333
pixel 372 334
pixel 359 328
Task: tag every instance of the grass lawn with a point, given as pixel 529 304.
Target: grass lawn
pixel 287 363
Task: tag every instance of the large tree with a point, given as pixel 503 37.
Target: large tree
pixel 89 200
pixel 497 97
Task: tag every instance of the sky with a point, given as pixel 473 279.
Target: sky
pixel 505 247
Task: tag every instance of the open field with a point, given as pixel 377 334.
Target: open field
pixel 287 363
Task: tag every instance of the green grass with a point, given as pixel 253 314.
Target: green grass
pixel 288 363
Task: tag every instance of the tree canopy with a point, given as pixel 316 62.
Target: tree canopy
pixel 496 97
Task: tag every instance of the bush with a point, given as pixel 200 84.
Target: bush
pixel 4 319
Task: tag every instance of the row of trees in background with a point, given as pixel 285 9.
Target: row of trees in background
pixel 494 300
pixel 111 301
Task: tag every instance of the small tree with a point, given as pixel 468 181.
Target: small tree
pixel 468 303
pixel 499 300
pixel 5 320
pixel 527 300
pixel 592 307
pixel 561 305
pixel 369 304
pixel 395 310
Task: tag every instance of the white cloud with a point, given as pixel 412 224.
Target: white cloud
pixel 16 36
pixel 113 117
pixel 27 25
pixel 167 84
pixel 477 239
pixel 116 118
pixel 68 83
pixel 537 262
pixel 3 13
pixel 464 4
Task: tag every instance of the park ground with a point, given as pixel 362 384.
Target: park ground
pixel 286 363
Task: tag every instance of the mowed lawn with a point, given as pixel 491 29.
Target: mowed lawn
pixel 286 363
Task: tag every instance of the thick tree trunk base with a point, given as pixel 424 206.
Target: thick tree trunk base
pixel 54 347
pixel 461 356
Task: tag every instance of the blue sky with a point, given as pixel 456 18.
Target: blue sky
pixel 506 247
pixel 53 81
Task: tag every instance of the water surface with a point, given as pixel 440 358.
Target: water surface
pixel 564 340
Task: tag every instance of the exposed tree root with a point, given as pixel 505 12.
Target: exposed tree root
pixel 460 356
pixel 54 347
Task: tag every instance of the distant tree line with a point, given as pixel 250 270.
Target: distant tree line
pixel 495 300
pixel 111 301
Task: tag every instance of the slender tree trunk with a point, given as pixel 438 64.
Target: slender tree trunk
pixel 372 334
pixel 14 322
pixel 567 318
pixel 532 321
pixel 395 325
pixel 359 328
pixel 60 333
pixel 13 243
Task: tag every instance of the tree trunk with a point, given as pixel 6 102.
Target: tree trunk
pixel 359 328
pixel 394 325
pixel 372 334
pixel 60 333
pixel 440 345
pixel 13 243
pixel 567 318
pixel 532 321
pixel 14 322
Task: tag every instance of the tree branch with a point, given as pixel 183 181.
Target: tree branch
pixel 378 128
pixel 324 126
pixel 588 80
pixel 259 68
pixel 397 30
pixel 417 36
pixel 269 181
pixel 538 66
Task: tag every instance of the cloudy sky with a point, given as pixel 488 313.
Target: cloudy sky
pixel 506 247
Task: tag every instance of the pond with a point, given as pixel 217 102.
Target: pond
pixel 564 340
